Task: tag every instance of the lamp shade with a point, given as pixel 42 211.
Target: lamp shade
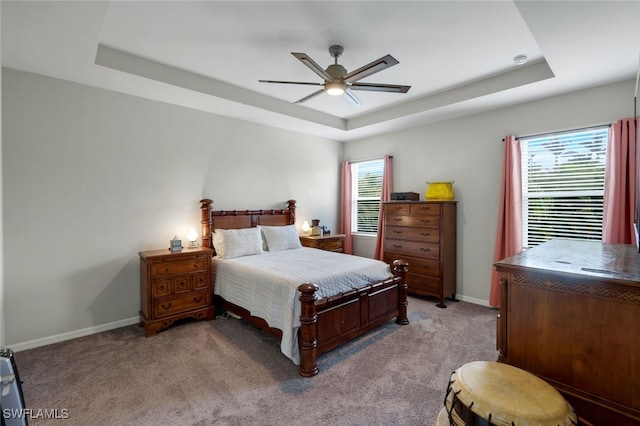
pixel 305 227
pixel 192 235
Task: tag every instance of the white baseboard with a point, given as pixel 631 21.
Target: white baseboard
pixel 473 300
pixel 73 334
pixel 135 320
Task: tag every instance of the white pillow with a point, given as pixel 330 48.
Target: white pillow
pixel 280 238
pixel 230 243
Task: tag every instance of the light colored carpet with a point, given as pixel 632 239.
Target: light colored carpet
pixel 226 372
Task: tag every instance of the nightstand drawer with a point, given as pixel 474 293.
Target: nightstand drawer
pixel 201 281
pixel 192 300
pixel 184 265
pixel 161 288
pixel 329 242
pixel 331 245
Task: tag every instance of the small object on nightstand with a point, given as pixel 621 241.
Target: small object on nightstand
pixel 175 244
pixel 315 227
pixel 192 236
pixel 306 228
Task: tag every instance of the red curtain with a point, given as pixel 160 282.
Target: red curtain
pixel 620 184
pixel 387 188
pixel 345 207
pixel 509 232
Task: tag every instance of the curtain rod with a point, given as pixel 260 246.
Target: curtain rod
pixel 368 159
pixel 561 132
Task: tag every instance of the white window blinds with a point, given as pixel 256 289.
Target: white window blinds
pixel 563 185
pixel 366 192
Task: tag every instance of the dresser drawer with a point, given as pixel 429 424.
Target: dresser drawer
pixel 178 304
pixel 412 248
pixel 183 265
pixel 425 209
pixel 423 284
pixel 428 235
pixel 427 221
pixel 418 265
pixel 400 208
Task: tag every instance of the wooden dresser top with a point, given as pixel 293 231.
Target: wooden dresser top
pixel 618 262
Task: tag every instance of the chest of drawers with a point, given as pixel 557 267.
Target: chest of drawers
pixel 174 286
pixel 424 234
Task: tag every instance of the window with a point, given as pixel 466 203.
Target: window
pixel 563 185
pixel 366 191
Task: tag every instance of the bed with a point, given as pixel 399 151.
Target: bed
pixel 319 320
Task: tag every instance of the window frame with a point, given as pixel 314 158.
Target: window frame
pixel 355 196
pixel 572 195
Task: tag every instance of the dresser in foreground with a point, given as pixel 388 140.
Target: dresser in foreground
pixel 173 286
pixel 570 313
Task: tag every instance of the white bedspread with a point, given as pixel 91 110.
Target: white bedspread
pixel 267 284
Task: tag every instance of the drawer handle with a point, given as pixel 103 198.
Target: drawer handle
pixel 198 299
pixel 397 232
pixel 397 246
pixel 425 234
pixel 166 306
pixel 425 221
pixel 424 249
pixel 397 219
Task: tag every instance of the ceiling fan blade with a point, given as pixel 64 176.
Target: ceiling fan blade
pixel 373 87
pixel 290 82
pixel 306 98
pixel 371 68
pixel 351 98
pixel 305 59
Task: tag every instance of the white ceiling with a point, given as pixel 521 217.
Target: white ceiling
pixel 457 56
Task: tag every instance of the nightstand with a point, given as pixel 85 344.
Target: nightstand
pixel 329 242
pixel 174 285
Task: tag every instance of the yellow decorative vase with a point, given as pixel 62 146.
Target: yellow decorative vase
pixel 441 191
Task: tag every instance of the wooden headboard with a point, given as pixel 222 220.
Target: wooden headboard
pixel 237 219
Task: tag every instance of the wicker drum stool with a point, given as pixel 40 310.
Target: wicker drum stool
pixel 490 393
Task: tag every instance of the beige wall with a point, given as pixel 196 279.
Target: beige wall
pixel 91 177
pixel 468 151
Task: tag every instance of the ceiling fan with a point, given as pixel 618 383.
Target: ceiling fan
pixel 337 81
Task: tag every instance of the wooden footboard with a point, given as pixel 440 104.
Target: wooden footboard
pixel 332 321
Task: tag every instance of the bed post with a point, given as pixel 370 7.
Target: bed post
pixel 400 268
pixel 206 222
pixel 292 211
pixel 308 337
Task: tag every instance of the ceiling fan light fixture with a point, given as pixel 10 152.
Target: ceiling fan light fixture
pixel 334 88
